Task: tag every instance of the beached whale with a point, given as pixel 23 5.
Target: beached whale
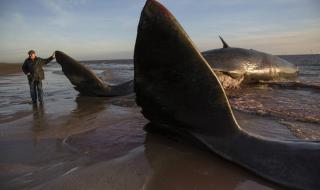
pixel 178 91
pixel 233 67
pixel 86 82
pixel 248 65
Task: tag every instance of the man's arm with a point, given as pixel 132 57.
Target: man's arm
pixel 48 60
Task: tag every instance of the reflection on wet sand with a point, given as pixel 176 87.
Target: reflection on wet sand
pixel 118 155
pixel 158 164
pixel 34 151
pixel 99 143
pixel 184 166
pixel 39 122
pixel 88 105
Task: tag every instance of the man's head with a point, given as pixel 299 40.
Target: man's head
pixel 32 54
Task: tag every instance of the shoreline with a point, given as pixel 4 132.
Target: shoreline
pixel 10 68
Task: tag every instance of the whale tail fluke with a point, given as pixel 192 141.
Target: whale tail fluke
pixel 170 74
pixel 83 79
pixel 87 82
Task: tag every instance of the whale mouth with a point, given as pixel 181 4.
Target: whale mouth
pixel 229 81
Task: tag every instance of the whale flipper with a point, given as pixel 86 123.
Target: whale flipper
pixel 225 45
pixel 178 91
pixel 86 82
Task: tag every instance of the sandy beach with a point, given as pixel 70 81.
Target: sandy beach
pixel 75 142
pixel 79 142
pixel 10 68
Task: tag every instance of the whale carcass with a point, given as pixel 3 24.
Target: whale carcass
pixel 243 66
pixel 179 92
pixel 87 82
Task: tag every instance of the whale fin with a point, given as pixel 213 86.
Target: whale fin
pixel 86 82
pixel 166 58
pixel 178 91
pixel 225 45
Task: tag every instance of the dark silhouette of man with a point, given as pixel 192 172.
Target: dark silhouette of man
pixel 32 67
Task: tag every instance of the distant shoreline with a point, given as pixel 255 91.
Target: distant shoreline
pixel 298 55
pixel 10 68
pixel 130 60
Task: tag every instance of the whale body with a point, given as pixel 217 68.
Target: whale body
pixel 248 65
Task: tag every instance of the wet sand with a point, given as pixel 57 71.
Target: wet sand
pixel 77 142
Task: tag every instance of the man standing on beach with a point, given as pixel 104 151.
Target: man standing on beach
pixel 32 67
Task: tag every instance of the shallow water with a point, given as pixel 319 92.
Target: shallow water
pixel 75 142
pixel 295 105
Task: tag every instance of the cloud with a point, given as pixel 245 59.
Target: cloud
pixel 60 7
pixel 107 29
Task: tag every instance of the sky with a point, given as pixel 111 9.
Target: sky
pixel 106 29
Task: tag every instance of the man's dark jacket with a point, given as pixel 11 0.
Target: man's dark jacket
pixel 34 67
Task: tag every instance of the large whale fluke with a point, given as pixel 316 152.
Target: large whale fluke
pixel 86 82
pixel 165 58
pixel 178 91
pixel 225 45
